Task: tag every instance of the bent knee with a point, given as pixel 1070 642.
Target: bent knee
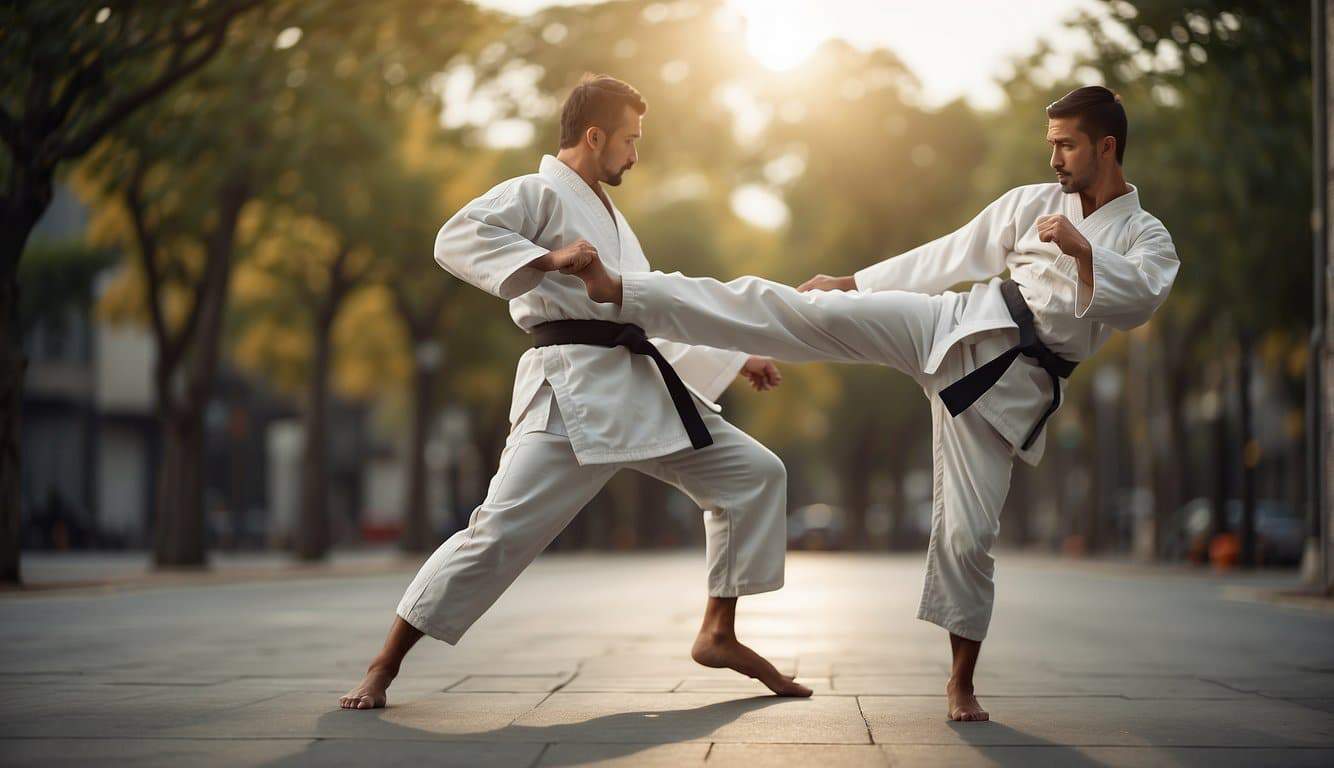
pixel 768 469
pixel 972 547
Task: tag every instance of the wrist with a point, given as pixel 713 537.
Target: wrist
pixel 544 262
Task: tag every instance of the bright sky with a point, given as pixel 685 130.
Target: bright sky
pixel 955 47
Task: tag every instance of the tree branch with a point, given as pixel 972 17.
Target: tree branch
pixel 175 71
pixel 148 254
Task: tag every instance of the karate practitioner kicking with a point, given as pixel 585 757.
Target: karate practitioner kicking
pixel 1084 259
pixel 590 398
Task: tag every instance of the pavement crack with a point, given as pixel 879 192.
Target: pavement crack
pixel 865 722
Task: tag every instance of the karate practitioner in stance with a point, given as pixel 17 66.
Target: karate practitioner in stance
pixel 590 398
pixel 1083 258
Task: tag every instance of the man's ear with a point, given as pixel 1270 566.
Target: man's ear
pixel 1109 146
pixel 594 136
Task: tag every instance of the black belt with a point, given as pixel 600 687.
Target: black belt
pixel 964 392
pixel 604 333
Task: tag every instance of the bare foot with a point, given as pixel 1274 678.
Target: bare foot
pixel 727 652
pixel 372 692
pixel 963 705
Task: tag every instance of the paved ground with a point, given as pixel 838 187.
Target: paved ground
pixel 585 660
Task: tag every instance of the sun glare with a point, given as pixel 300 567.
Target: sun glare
pixel 781 34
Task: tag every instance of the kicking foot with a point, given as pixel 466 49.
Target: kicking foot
pixel 963 704
pixel 372 692
pixel 727 652
pixel 602 286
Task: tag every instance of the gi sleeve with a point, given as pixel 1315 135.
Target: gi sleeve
pixel 706 369
pixel 976 251
pixel 488 243
pixel 1129 287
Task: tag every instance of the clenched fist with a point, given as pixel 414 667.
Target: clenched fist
pixel 762 374
pixel 828 283
pixel 573 258
pixel 1056 228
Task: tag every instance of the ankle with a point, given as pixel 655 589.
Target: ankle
pixel 716 635
pixel 956 685
pixel 384 667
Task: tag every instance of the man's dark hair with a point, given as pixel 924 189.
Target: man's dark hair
pixel 1099 112
pixel 598 100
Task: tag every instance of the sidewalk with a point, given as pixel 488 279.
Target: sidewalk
pixel 585 661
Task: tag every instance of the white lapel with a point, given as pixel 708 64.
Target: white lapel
pixel 608 239
pixel 1114 210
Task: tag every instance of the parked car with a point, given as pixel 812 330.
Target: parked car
pixel 1280 530
pixel 817 526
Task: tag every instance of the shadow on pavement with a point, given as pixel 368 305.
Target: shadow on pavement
pixel 1016 747
pixel 640 729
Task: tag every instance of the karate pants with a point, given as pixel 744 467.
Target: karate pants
pixel 971 461
pixel 540 487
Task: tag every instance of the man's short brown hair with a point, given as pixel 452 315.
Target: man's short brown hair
pixel 598 100
pixel 1098 112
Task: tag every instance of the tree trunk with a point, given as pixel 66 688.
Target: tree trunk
pixel 179 536
pixel 857 488
pixel 313 534
pixel 417 535
pixel 179 533
pixel 1249 453
pixel 20 208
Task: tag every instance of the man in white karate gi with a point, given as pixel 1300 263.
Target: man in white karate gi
pixel 1084 259
pixel 593 397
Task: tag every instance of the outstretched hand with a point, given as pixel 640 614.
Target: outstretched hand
pixel 762 374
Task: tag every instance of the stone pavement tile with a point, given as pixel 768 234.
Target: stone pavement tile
pixel 907 666
pixel 585 682
pixel 509 684
pixel 417 684
pixel 745 685
pixel 665 666
pixel 1305 685
pixel 152 753
pixel 1056 756
pixel 786 755
pixel 103 711
pixel 1134 687
pixel 412 754
pixel 625 755
pixel 497 666
pixel 644 718
pixel 1324 705
pixel 1105 721
pixel 447 716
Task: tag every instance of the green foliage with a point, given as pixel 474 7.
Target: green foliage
pixel 58 277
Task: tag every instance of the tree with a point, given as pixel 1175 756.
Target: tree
pixel 263 126
pixel 72 73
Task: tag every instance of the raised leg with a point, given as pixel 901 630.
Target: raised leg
pixel 750 314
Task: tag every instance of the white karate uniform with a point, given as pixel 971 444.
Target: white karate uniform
pixel 581 413
pixel 903 316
